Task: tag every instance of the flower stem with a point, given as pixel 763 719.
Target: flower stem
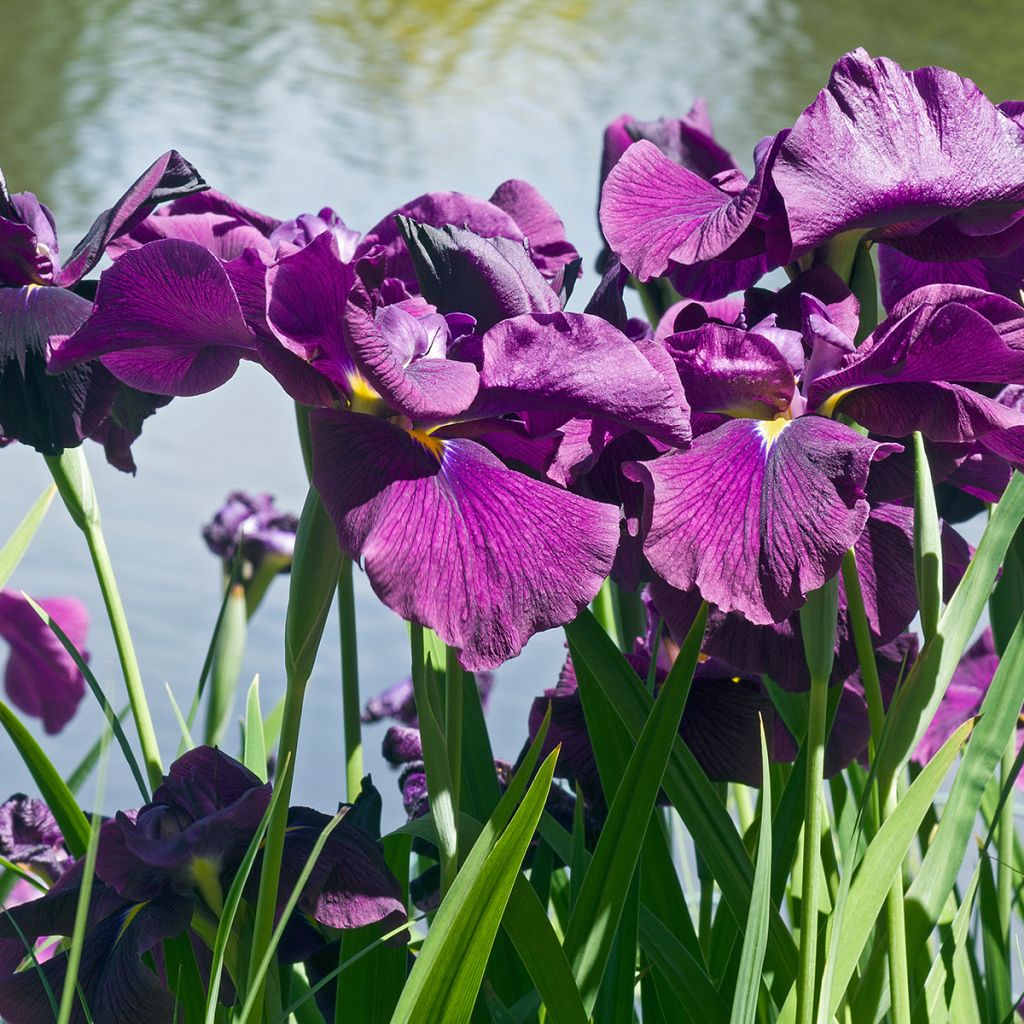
pixel 807 976
pixel 350 681
pixel 70 473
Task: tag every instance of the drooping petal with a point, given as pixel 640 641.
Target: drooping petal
pixel 655 212
pixel 728 370
pixel 579 365
pixel 166 320
pixel 453 539
pixel 122 426
pixel 48 413
pixel 41 678
pixel 891 152
pixel 757 514
pixel 169 177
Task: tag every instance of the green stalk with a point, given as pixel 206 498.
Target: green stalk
pixel 604 612
pixel 818 619
pixel 881 806
pixel 927 542
pixel 350 681
pixel 70 473
pixel 1005 843
pixel 453 707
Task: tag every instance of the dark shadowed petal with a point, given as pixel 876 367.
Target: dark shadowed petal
pixel 167 178
pixel 540 224
pixel 166 320
pixel 49 413
pixel 453 539
pixel 423 389
pixel 756 514
pixel 30 835
pixel 579 365
pixel 728 370
pixel 28 242
pixel 654 212
pixel 41 678
pixel 890 152
pixel 122 426
pixel 491 279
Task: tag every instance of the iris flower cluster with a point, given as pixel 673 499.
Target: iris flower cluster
pixel 490 457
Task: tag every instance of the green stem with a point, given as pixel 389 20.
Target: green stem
pixel 807 976
pixel 1005 843
pixel 604 612
pixel 453 707
pixel 71 474
pixel 899 973
pixel 350 681
pixel 273 849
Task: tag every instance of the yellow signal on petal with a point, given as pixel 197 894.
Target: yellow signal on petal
pixel 828 407
pixel 434 445
pixel 771 429
pixel 363 396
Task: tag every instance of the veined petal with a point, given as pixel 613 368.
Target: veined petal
pixel 758 514
pixel 166 320
pixel 891 152
pixel 453 539
pixel 540 224
pixel 579 365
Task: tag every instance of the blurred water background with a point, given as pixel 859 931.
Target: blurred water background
pixel 289 105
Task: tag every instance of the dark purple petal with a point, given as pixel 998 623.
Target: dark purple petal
pixel 491 279
pixel 166 320
pixel 541 226
pixel 402 745
pixel 28 242
pixel 30 835
pixel 431 388
pixel 122 426
pixel 654 213
pixel 453 539
pixel 756 514
pixel 255 523
pixel 49 413
pixel 891 152
pixel 730 371
pixel 579 365
pixel 41 678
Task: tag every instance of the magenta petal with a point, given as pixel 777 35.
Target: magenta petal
pixel 166 319
pixel 899 274
pixel 41 678
pixel 457 541
pixel 540 224
pixel 756 518
pixel 428 388
pixel 654 212
pixel 580 366
pixel 167 178
pixel 728 370
pixel 890 152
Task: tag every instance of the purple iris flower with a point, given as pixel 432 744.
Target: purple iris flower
pixel 413 472
pixel 255 524
pixel 31 837
pixel 39 297
pixel 760 508
pixel 918 160
pixel 41 678
pixel 173 858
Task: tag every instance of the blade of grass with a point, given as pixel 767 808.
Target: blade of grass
pixel 254 750
pixel 17 544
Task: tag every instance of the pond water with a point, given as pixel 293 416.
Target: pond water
pixel 290 106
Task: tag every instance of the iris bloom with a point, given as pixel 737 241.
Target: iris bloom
pixel 759 510
pixel 38 298
pixel 159 867
pixel 253 523
pixel 919 160
pixel 41 678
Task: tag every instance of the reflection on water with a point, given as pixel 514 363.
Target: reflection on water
pixel 292 105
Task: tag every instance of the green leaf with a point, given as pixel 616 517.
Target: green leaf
pixel 52 788
pixel 918 698
pixel 755 938
pixel 97 691
pixel 617 993
pixel 254 750
pixel 997 990
pixel 446 977
pixel 927 543
pixel 860 900
pixel 713 830
pixel 227 665
pixel 17 544
pixel 186 736
pixel 599 906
